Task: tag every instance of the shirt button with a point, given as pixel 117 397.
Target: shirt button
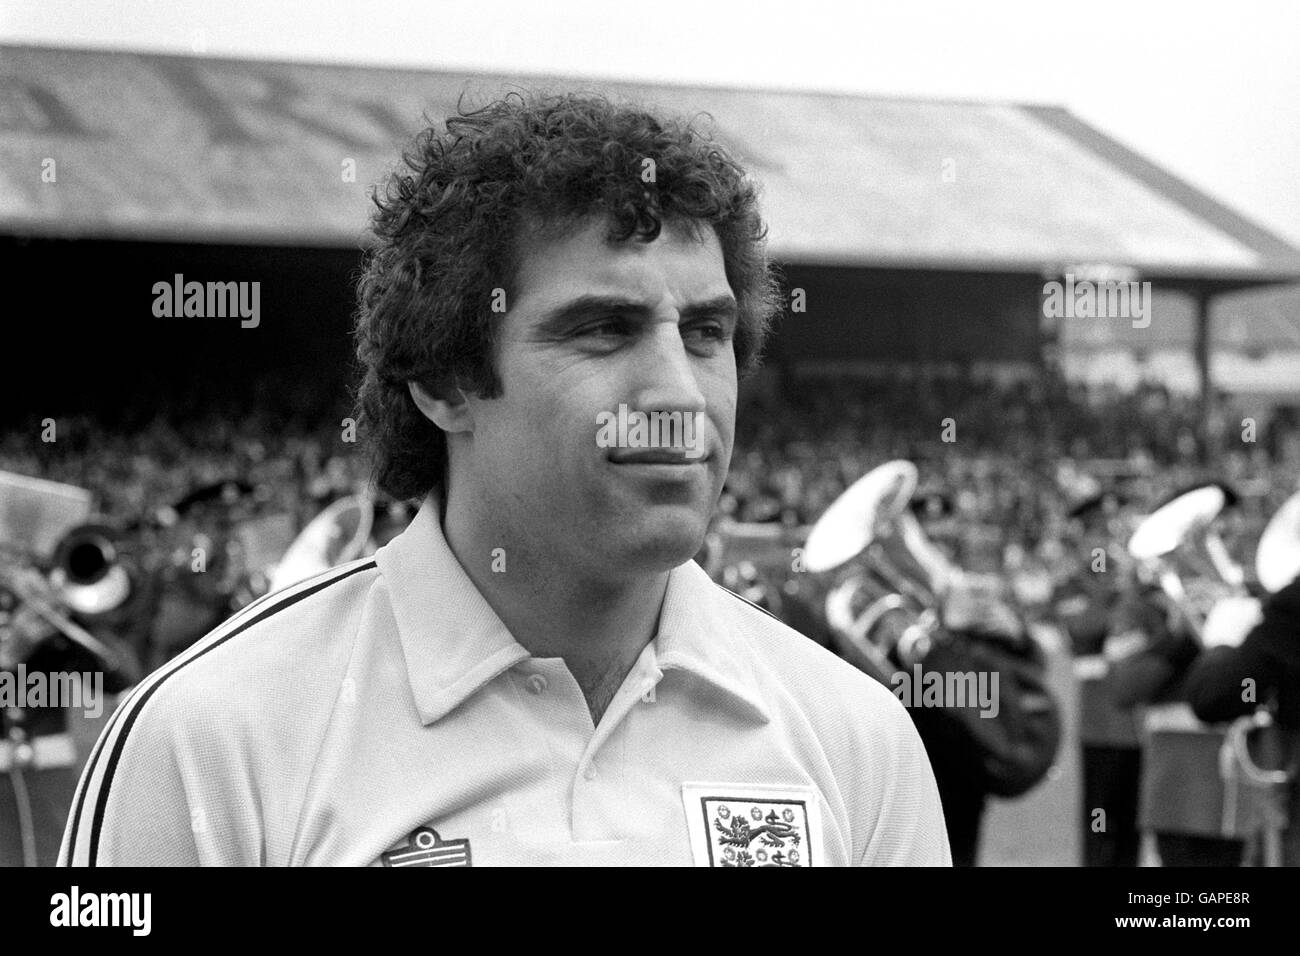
pixel 537 683
pixel 590 772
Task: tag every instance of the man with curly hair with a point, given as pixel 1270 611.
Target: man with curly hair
pixel 534 672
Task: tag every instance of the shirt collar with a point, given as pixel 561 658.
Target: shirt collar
pixel 701 633
pixel 454 643
pixel 452 640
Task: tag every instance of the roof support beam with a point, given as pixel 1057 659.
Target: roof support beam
pixel 1201 350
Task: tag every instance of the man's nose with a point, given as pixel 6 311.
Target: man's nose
pixel 666 377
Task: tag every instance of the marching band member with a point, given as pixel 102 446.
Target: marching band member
pixel 1227 682
pixel 1085 605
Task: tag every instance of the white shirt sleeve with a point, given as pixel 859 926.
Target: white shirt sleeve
pixel 161 790
pixel 909 828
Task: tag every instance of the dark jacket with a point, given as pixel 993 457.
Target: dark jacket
pixel 1154 672
pixel 1270 656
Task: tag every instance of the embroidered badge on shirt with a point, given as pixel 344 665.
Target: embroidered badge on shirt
pixel 425 848
pixel 753 826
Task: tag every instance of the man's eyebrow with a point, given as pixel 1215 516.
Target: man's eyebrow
pixel 719 307
pixel 590 306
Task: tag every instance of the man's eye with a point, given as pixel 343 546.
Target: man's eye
pixel 603 328
pixel 709 332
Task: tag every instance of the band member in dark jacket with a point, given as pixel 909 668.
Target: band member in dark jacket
pixel 1229 682
pixel 1085 606
pixel 1151 650
pixel 1269 658
pixel 975 753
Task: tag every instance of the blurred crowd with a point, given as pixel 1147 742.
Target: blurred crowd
pixel 1008 461
pixel 294 464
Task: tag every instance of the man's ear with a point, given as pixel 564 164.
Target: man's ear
pixel 449 410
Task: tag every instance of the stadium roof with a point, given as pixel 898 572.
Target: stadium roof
pixel 150 146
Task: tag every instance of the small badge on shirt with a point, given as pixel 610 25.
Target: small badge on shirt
pixel 738 825
pixel 425 848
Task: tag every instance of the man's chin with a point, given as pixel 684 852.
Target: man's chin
pixel 662 544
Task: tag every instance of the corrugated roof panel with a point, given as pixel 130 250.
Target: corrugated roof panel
pixel 153 146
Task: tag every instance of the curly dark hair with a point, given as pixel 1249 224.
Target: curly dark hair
pixel 447 228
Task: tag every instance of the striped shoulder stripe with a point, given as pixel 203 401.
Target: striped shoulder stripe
pixel 198 647
pixel 747 601
pixel 127 713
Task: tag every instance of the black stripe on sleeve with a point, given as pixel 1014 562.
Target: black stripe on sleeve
pixel 746 600
pixel 101 801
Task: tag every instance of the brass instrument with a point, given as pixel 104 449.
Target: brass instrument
pixel 919 612
pixel 1178 546
pixel 335 536
pixel 1277 556
pixel 54 569
pixel 88 574
pixel 33 593
pixel 885 556
pixel 44 525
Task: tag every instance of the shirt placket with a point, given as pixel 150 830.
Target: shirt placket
pixel 599 802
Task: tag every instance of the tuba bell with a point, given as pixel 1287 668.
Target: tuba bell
pixel 883 563
pixel 1277 556
pixel 88 573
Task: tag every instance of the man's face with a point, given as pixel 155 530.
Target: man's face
pixel 594 325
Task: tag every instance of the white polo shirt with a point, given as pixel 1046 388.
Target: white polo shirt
pixel 381 714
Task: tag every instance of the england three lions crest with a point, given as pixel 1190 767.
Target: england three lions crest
pixel 738 826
